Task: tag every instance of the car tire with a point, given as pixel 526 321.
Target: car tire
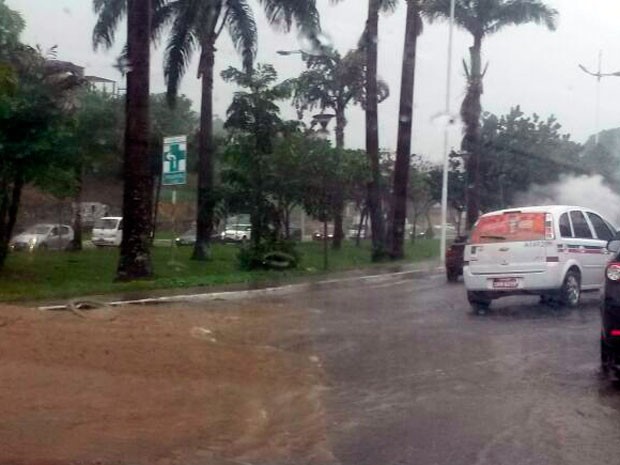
pixel 479 301
pixel 570 292
pixel 43 246
pixel 606 358
pixel 452 275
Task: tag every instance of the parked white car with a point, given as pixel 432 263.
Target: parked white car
pixel 553 251
pixel 108 231
pixel 43 236
pixel 237 233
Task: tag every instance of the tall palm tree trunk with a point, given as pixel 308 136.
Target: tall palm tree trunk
pixel 206 155
pixel 372 132
pixel 396 233
pixel 339 201
pixel 76 243
pixel 470 112
pixel 9 208
pixel 135 257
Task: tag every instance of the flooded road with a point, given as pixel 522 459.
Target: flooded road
pixel 414 377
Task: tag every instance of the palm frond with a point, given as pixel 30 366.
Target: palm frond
pixel 303 13
pixel 109 14
pixel 163 15
pixel 489 16
pixel 181 45
pixel 242 29
pixel 465 12
pixel 516 12
pixel 388 6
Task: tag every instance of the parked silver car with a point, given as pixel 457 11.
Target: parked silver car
pixel 43 236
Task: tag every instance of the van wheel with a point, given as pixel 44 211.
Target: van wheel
pixel 570 292
pixel 479 301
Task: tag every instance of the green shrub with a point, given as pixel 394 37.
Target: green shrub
pixel 274 255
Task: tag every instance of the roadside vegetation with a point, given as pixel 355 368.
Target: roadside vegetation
pixel 56 275
pixel 253 161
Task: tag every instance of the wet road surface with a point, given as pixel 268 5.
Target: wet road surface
pixel 413 377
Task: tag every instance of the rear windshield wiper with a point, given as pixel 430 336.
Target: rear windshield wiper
pixel 499 238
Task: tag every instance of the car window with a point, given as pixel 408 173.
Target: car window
pixel 600 227
pixel 565 227
pixel 64 230
pixel 54 231
pixel 120 225
pixel 511 226
pixel 580 225
pixel 106 223
pixel 37 230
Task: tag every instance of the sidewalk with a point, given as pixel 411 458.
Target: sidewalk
pixel 375 274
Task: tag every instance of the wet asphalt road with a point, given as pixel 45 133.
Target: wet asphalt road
pixel 415 378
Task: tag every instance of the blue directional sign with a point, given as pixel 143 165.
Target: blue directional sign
pixel 175 161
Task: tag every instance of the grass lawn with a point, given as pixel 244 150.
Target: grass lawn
pixel 51 275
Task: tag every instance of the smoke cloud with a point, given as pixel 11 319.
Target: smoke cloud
pixel 584 191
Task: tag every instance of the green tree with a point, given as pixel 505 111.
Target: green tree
pixel 195 25
pixel 482 18
pixel 35 124
pixel 255 117
pixel 96 142
pixel 518 151
pixel 333 82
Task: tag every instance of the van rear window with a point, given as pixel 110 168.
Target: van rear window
pixel 509 227
pixel 105 223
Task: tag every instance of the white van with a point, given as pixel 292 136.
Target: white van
pixel 553 251
pixel 108 231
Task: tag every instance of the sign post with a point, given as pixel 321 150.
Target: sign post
pixel 174 174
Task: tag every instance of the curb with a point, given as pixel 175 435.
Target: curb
pixel 268 291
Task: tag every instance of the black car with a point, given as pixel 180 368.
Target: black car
pixel 454 259
pixel 610 311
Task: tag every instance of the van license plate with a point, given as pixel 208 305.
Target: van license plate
pixel 505 283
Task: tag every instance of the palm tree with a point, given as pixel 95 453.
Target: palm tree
pixel 369 44
pixel 135 258
pixel 333 81
pixel 482 18
pixel 197 24
pixel 398 213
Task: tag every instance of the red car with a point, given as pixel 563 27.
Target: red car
pixel 454 259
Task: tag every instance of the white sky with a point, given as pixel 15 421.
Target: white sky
pixel 529 65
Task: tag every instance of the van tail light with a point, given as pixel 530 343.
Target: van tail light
pixel 614 332
pixel 613 271
pixel 549 234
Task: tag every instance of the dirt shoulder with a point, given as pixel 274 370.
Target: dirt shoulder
pixel 159 385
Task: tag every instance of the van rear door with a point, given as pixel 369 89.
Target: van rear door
pixel 509 242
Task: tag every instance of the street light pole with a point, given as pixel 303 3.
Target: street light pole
pixel 444 185
pixel 323 134
pixel 598 75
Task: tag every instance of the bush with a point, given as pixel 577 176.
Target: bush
pixel 273 255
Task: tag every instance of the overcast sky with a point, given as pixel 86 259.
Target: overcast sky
pixel 528 65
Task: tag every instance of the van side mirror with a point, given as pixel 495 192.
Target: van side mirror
pixel 614 244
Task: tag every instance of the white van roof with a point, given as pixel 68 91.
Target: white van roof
pixel 557 209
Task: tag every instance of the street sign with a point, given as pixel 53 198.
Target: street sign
pixel 175 161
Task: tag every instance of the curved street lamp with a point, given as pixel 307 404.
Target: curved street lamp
pixel 598 75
